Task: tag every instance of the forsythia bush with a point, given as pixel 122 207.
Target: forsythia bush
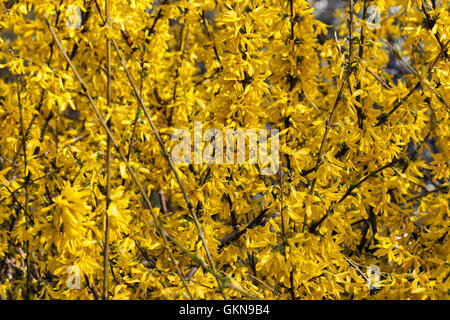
pixel 364 152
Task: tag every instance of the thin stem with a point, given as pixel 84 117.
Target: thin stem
pixel 327 129
pixel 383 118
pixel 352 187
pixel 359 109
pixel 108 158
pixel 121 155
pixel 381 81
pixel 210 37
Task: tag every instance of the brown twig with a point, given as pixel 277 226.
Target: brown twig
pixel 383 83
pixel 26 181
pixel 92 288
pixel 260 219
pixel 108 158
pixel 444 187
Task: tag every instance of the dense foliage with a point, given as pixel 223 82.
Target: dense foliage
pixel 364 152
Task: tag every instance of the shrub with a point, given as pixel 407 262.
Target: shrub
pixel 89 192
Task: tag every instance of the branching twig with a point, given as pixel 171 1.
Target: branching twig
pixel 383 118
pixel 108 158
